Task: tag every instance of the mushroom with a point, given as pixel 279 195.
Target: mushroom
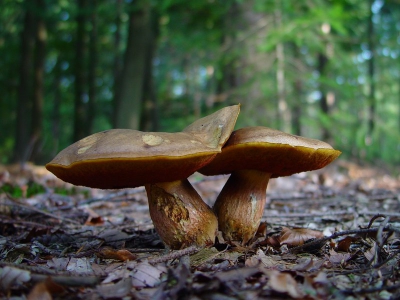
pixel 122 158
pixel 253 155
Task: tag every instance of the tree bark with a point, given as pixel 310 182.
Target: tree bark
pixel 371 75
pixel 80 105
pixel 130 95
pixel 324 106
pixel 298 94
pixel 24 87
pixel 117 65
pixel 56 114
pixel 38 101
pixel 150 118
pixel 93 58
pixel 283 112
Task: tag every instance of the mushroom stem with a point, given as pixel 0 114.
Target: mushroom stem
pixel 180 216
pixel 240 205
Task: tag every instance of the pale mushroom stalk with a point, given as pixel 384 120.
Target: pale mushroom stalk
pixel 240 205
pixel 179 214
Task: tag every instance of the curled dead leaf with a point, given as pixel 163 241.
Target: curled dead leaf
pixel 284 283
pixel 44 290
pixel 122 254
pixel 293 237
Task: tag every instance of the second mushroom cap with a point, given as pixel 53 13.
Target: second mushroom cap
pixel 272 151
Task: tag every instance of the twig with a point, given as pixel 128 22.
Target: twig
pixel 39 274
pixel 174 255
pixel 144 250
pixel 371 213
pixel 308 215
pixel 40 211
pixel 394 287
pixel 336 235
pixel 8 220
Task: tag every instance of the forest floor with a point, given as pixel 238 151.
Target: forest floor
pixel 331 234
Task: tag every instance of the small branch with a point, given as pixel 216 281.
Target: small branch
pixel 174 255
pixel 40 211
pixel 394 287
pixel 336 235
pixel 308 215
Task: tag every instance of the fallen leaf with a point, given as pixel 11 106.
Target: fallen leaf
pixel 94 221
pixel 268 261
pixel 146 275
pixel 284 283
pixel 298 236
pixel 115 290
pixel 122 254
pixel 370 254
pixel 338 258
pixel 10 276
pixel 344 244
pixel 80 266
pixel 44 290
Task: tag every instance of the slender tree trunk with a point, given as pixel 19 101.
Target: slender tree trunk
pixel 150 119
pixel 80 105
pixel 38 101
pixel 324 106
pixel 93 57
pixel 55 114
pixel 24 87
pixel 371 75
pixel 117 66
pixel 129 104
pixel 283 112
pixel 298 94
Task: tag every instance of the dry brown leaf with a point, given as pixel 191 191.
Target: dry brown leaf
pixel 44 290
pixel 344 244
pixel 122 254
pixel 284 283
pixel 293 237
pixel 94 221
pixel 268 261
pixel 370 254
pixel 338 258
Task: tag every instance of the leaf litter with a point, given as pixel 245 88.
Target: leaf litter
pixel 331 234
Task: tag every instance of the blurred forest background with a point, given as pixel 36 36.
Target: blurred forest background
pixel 326 69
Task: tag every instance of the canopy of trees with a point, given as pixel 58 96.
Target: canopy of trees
pixel 327 69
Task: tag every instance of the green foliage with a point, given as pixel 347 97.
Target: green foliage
pixel 214 53
pixel 17 191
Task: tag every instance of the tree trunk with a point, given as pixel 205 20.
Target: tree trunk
pixel 298 93
pixel 324 106
pixel 283 112
pixel 92 91
pixel 150 118
pixel 24 88
pixel 117 65
pixel 371 75
pixel 56 114
pixel 80 105
pixel 38 101
pixel 129 102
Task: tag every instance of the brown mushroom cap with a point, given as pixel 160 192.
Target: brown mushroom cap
pixel 269 150
pixel 121 158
